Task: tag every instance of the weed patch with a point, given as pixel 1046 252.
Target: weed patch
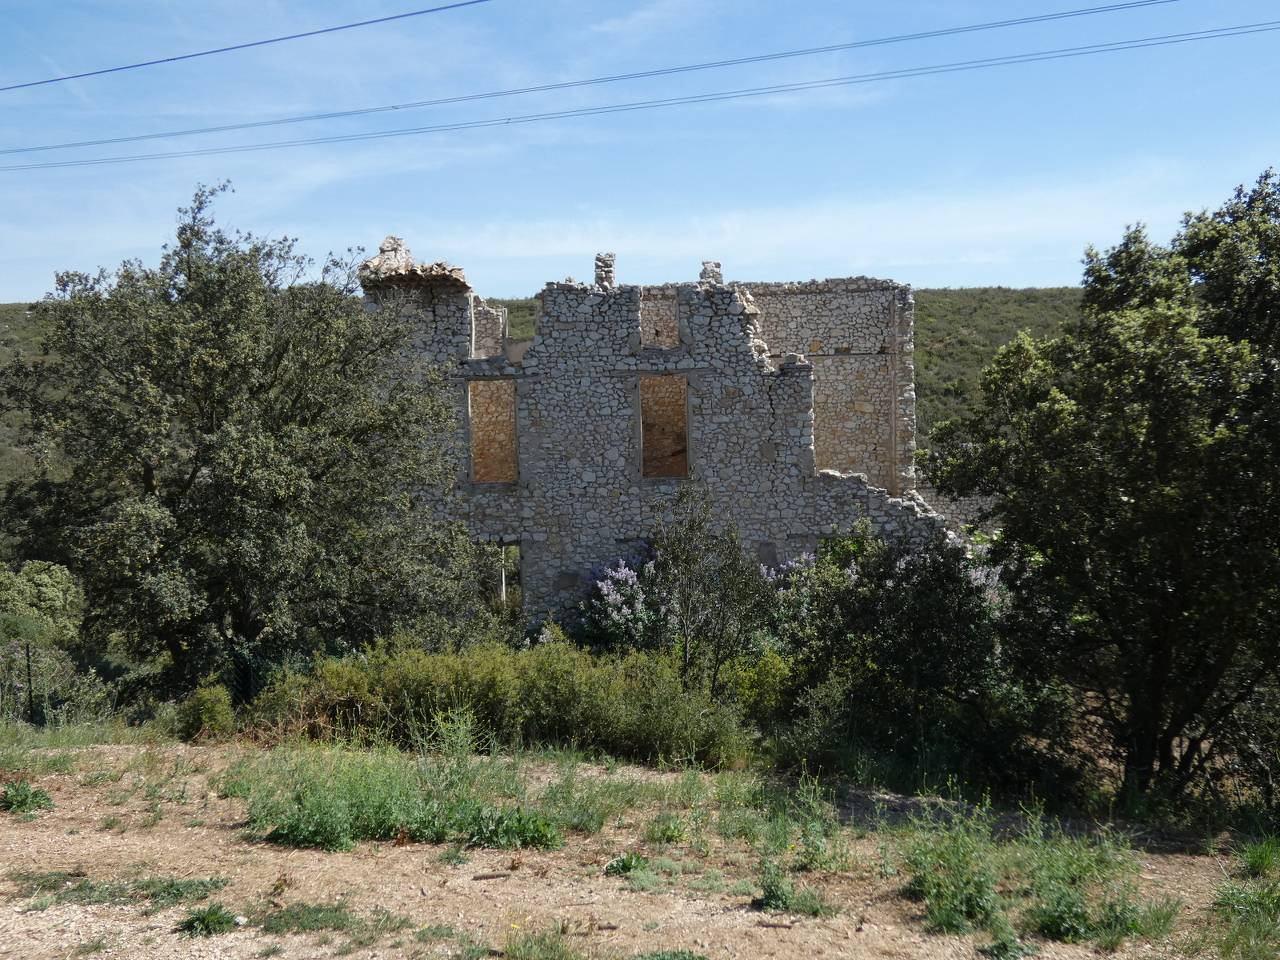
pixel 952 871
pixel 21 797
pixel 629 862
pixel 207 921
pixel 156 893
pixel 779 895
pixel 330 797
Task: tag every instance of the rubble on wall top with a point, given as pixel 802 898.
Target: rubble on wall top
pixel 394 264
pixel 606 270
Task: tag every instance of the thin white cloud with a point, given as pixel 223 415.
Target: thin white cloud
pixel 655 15
pixel 930 236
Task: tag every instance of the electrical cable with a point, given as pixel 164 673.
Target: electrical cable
pixel 569 84
pixel 800 86
pixel 241 46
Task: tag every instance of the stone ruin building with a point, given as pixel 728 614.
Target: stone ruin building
pixel 792 404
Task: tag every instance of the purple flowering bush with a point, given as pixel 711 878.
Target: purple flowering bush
pixel 625 610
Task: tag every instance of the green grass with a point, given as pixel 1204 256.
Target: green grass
pixel 310 917
pixel 207 921
pixel 545 945
pixel 327 918
pixel 1261 859
pixel 1244 923
pixel 157 893
pixel 331 797
pixel 584 804
pixel 39 750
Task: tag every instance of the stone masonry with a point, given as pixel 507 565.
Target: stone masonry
pixel 792 404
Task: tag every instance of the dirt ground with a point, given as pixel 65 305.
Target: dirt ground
pixel 182 828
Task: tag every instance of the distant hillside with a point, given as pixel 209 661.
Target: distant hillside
pixel 957 332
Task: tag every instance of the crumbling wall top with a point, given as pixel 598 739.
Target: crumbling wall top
pixel 394 264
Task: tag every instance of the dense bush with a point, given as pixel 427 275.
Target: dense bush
pixel 892 654
pixel 207 714
pixel 1134 463
pixel 630 705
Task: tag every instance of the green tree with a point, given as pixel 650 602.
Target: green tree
pixel 1134 465
pixel 240 463
pixel 40 610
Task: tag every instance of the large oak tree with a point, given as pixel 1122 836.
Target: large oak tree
pixel 1135 465
pixel 240 460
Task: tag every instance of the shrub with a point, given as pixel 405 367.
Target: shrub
pixel 694 594
pixel 206 714
pixel 631 706
pixel 207 921
pixel 21 797
pixel 779 895
pixel 891 653
pixel 952 870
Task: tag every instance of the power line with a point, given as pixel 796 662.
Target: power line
pixel 569 84
pixel 800 86
pixel 243 46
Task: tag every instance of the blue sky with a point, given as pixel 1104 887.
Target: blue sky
pixel 992 177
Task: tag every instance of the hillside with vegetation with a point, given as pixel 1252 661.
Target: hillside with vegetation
pixel 959 330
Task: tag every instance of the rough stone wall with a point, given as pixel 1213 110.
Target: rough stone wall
pixel 659 317
pixel 960 513
pixel 581 497
pixel 858 334
pixel 489 325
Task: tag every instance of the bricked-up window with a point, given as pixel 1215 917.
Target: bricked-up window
pixel 664 426
pixel 492 414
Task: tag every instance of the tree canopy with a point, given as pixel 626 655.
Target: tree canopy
pixel 239 459
pixel 1134 464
